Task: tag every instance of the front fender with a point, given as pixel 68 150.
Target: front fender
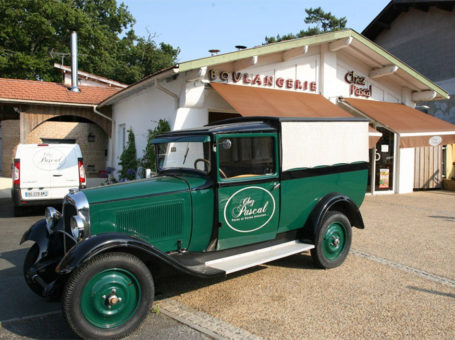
pixel 333 201
pixel 100 243
pixel 38 232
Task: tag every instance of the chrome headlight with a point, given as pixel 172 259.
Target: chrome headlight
pixel 76 212
pixel 51 215
pixel 77 226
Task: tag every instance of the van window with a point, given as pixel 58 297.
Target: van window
pixel 246 156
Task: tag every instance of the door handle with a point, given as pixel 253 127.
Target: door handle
pixel 276 186
pixel 58 175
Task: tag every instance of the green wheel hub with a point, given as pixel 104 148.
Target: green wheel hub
pixel 110 298
pixel 334 241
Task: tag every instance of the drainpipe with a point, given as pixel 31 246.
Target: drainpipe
pixel 101 114
pixel 74 70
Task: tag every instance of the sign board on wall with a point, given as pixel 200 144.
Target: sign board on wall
pixel 256 79
pixel 301 74
pixel 358 86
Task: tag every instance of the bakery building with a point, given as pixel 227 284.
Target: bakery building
pixel 338 74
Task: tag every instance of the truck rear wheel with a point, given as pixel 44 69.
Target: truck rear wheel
pixel 108 297
pixel 332 241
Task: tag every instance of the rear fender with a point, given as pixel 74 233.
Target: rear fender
pixel 333 201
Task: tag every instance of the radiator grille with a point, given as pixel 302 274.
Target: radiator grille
pixel 154 222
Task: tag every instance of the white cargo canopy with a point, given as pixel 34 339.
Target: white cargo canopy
pixel 323 142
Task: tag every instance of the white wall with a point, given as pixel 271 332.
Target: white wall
pixel 382 89
pixel 141 112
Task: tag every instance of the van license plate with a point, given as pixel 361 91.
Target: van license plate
pixel 36 194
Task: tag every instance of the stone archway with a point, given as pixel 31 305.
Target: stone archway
pixel 33 115
pixel 87 129
pixel 92 140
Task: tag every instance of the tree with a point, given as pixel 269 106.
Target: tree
pixel 33 31
pixel 128 159
pixel 325 22
pixel 148 160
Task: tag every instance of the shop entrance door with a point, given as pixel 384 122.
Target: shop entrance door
pixel 385 160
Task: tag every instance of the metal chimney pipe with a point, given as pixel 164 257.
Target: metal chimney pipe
pixel 74 69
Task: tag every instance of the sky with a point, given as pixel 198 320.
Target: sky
pixel 196 26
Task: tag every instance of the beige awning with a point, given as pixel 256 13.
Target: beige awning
pixel 414 127
pixel 256 101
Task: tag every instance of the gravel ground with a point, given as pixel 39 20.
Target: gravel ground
pixel 289 299
pixel 416 229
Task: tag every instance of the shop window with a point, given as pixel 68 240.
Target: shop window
pixel 246 156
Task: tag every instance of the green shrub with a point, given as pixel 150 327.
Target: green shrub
pixel 128 159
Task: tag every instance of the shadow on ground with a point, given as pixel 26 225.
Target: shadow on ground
pixel 51 326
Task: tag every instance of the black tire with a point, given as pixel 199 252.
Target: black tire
pixel 332 241
pixel 29 261
pixel 87 305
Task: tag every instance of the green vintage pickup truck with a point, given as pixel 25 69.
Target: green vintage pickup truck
pixel 227 196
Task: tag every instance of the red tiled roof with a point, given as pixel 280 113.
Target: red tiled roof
pixel 31 90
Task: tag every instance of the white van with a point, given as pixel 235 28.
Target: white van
pixel 44 173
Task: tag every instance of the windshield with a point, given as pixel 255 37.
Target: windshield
pixel 184 155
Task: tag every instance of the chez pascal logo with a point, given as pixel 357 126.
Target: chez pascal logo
pixel 48 160
pixel 358 85
pixel 249 209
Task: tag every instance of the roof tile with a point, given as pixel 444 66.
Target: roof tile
pixel 32 90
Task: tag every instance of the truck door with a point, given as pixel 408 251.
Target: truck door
pixel 249 189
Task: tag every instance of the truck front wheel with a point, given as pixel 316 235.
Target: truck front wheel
pixel 332 240
pixel 108 297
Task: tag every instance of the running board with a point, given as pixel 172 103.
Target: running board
pixel 235 263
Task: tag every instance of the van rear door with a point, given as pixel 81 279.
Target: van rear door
pixel 66 174
pixel 48 170
pixel 34 172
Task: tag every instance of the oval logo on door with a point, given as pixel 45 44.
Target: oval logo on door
pixel 435 140
pixel 249 209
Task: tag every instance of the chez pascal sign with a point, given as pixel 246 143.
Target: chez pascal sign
pixel 249 209
pixel 263 80
pixel 358 86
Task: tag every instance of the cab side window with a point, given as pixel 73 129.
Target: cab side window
pixel 246 156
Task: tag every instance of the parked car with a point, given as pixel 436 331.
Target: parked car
pixel 227 197
pixel 43 174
